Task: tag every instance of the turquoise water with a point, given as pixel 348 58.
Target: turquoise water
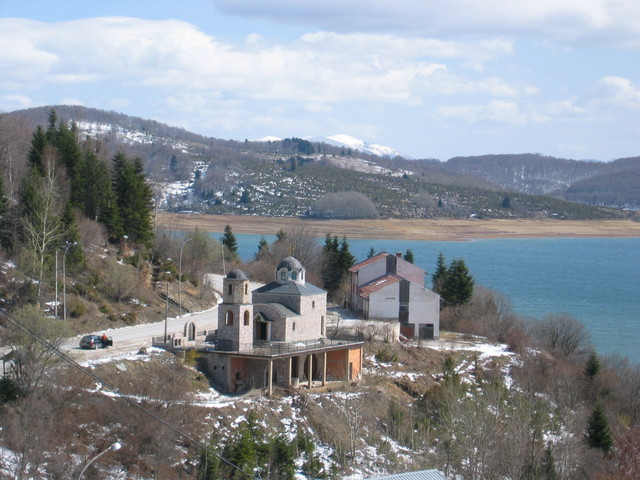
pixel 594 280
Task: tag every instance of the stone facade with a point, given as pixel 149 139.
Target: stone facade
pixel 277 338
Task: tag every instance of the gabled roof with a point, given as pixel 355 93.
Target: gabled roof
pixel 421 475
pixel 281 309
pixel 290 288
pixel 369 261
pixel 378 284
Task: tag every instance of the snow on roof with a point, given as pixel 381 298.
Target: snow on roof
pixel 378 284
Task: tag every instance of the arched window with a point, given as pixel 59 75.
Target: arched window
pixel 246 288
pixel 283 275
pixel 228 318
pixel 322 326
pixel 294 275
pixel 302 276
pixel 246 317
pixel 230 289
pixel 313 304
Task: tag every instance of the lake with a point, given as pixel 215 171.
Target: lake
pixel 595 280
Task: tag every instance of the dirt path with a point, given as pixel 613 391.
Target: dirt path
pixel 412 229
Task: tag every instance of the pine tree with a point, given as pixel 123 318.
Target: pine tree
pixel 346 257
pixel 408 256
pixel 506 202
pixel 457 289
pixel 592 367
pixel 134 200
pixel 71 239
pixel 439 276
pixel 6 237
pixel 263 248
pixel 598 434
pixel 36 153
pixel 547 466
pixel 371 253
pixel 229 241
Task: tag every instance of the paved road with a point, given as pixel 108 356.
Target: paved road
pixel 138 336
pixel 133 338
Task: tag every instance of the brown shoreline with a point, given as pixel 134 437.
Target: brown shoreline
pixel 406 229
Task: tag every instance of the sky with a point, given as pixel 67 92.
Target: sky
pixel 430 78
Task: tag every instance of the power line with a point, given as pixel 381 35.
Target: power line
pixel 126 398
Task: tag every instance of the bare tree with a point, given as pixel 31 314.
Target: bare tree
pixel 561 334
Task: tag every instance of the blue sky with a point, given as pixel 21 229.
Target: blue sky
pixel 432 79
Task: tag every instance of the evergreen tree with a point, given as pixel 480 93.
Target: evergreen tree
pixel 506 202
pixel 134 200
pixel 439 276
pixel 346 257
pixel 408 255
pixel 547 466
pixel 229 241
pixel 5 218
pixel 457 288
pixel 245 197
pixel 71 239
pixel 598 433
pixel 36 153
pixel 592 367
pixel 263 248
pixel 371 253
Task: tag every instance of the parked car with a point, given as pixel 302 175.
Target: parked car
pixel 95 341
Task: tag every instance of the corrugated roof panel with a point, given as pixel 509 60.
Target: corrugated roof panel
pixel 421 475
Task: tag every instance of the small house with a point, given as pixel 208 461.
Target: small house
pixel 387 287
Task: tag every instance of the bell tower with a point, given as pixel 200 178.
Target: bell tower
pixel 235 313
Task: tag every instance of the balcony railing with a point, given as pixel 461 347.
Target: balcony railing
pixel 267 348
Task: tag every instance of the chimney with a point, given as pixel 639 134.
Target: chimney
pixel 399 254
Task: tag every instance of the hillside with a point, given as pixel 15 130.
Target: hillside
pixel 612 184
pixel 286 177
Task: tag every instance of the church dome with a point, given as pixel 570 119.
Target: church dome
pixel 289 263
pixel 237 274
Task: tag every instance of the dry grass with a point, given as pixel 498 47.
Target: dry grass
pixel 410 229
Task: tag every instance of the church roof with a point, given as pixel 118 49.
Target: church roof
pixel 237 274
pixel 290 288
pixel 289 263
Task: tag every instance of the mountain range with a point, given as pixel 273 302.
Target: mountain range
pixel 273 176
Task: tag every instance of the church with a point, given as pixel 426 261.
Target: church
pixel 275 336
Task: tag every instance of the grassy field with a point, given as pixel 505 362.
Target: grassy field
pixel 411 229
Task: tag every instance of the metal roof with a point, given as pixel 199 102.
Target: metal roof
pixel 421 475
pixel 290 288
pixel 378 284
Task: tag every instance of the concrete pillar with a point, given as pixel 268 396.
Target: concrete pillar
pixel 289 371
pixel 310 372
pixel 324 369
pixel 270 377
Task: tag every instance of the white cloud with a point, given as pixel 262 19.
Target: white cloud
pixel 602 21
pixel 171 55
pixel 14 102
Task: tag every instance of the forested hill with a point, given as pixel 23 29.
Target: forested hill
pixel 296 177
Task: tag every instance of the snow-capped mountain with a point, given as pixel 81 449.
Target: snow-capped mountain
pixel 343 140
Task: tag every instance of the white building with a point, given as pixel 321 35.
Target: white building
pixel 386 287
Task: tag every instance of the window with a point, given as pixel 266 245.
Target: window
pixel 246 288
pixel 283 275
pixel 230 289
pixel 228 318
pixel 246 317
pixel 294 275
pixel 293 326
pixel 313 304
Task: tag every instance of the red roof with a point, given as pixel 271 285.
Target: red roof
pixel 369 261
pixel 378 284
